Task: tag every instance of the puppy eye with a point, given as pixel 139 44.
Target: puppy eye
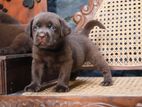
pixel 38 25
pixel 34 28
pixel 54 28
pixel 49 25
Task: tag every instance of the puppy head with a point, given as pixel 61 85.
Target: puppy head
pixel 47 30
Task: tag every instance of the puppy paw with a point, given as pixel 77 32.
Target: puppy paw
pixel 62 88
pixel 107 82
pixel 32 88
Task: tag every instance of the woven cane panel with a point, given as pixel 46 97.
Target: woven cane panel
pixel 90 86
pixel 121 42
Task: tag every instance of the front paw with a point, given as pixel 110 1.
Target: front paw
pixel 33 87
pixel 107 82
pixel 62 88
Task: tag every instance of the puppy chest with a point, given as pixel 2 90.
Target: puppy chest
pixel 54 62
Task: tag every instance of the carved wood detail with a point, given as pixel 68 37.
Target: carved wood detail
pixel 50 103
pixel 86 13
pixel 62 101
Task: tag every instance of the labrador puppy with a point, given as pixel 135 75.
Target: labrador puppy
pixel 63 51
pixel 13 38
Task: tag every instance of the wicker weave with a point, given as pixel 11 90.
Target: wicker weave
pixel 122 86
pixel 121 42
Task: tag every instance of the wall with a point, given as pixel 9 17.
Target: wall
pixel 16 9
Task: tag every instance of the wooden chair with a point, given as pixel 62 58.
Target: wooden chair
pixel 119 43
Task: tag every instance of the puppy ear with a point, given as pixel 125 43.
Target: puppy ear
pixel 29 29
pixel 65 29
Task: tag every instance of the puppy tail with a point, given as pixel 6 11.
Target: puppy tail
pixel 90 25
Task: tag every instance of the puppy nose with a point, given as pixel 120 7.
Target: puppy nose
pixel 42 35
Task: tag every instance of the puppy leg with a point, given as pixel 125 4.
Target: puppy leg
pixel 37 74
pixel 64 77
pixel 100 64
pixel 21 44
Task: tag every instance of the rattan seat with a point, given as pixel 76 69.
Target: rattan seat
pixel 90 86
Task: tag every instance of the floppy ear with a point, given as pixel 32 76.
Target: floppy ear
pixel 65 29
pixel 29 29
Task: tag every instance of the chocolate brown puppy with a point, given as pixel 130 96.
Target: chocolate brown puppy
pixel 63 51
pixel 13 38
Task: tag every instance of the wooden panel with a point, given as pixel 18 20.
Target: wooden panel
pixel 16 9
pixel 61 101
pixel 2 77
pixel 15 72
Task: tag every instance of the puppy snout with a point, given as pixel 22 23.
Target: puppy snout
pixel 42 35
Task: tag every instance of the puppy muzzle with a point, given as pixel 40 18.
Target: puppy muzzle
pixel 44 39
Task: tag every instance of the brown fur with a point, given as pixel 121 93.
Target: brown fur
pixel 63 51
pixel 13 38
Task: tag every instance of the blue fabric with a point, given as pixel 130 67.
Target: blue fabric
pixel 94 73
pixel 66 8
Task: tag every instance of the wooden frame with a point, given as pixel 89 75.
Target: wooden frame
pixel 14 72
pixel 86 13
pixel 84 101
